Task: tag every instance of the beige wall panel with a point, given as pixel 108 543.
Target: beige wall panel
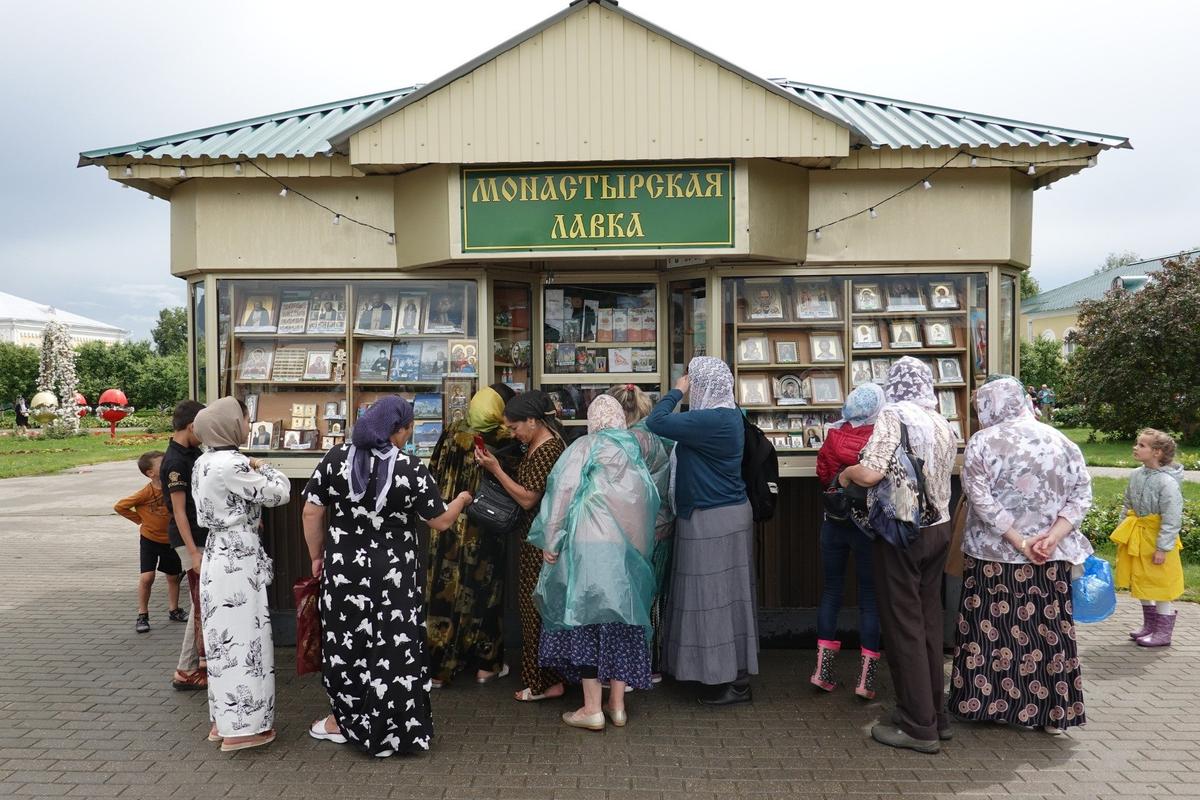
pixel 965 217
pixel 1021 223
pixel 597 87
pixel 247 225
pixel 927 158
pixel 778 200
pixel 183 230
pixel 422 215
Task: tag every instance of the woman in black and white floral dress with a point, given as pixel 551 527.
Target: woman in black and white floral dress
pixel 360 523
pixel 230 490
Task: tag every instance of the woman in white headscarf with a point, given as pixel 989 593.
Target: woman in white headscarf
pixel 596 530
pixel 710 631
pixel 908 580
pixel 1029 489
pixel 231 490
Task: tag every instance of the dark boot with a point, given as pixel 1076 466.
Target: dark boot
pixel 867 667
pixel 822 676
pixel 1148 615
pixel 1161 635
pixel 728 694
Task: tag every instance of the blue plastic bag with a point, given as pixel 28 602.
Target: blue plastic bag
pixel 1093 594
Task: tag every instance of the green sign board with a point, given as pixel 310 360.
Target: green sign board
pixel 626 207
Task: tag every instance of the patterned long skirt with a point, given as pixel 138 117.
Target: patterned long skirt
pixel 1016 659
pixel 615 650
pixel 234 576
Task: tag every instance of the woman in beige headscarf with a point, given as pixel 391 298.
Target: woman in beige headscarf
pixel 230 491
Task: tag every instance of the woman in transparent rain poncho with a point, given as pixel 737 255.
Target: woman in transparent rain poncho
pixel 596 527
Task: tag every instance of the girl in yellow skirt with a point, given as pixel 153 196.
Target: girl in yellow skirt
pixel 1148 538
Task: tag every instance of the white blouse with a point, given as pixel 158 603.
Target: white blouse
pixel 229 494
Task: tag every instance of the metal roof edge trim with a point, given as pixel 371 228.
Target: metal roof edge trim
pixel 89 157
pixel 1121 142
pixel 339 139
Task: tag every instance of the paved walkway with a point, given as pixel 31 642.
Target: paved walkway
pixel 1123 472
pixel 86 710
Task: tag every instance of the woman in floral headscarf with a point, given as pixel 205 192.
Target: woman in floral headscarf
pixel 465 583
pixel 596 529
pixel 1029 489
pixel 908 580
pixel 710 629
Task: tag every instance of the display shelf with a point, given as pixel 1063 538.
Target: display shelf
pixel 403 383
pixel 824 365
pixel 808 407
pixel 749 327
pixel 404 337
pixel 560 378
pixel 911 351
pixel 946 312
pixel 291 337
pixel 251 382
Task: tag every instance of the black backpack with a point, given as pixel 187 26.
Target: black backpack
pixel 760 471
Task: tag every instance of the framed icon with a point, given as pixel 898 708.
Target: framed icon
pixel 456 396
pixel 826 388
pixel 408 320
pixel 868 297
pixel 765 422
pixel 949 371
pixel 948 403
pixel 258 314
pixel 754 390
pixel 860 372
pixel 318 367
pixel 764 301
pixel 376 314
pixel 753 350
pixel 331 409
pixel 825 347
pixel 789 390
pixel 374 359
pixel 938 333
pixel 256 363
pixel 815 300
pixel 786 353
pixel 943 295
pixel 905 334
pixel 904 294
pixel 879 370
pixel 327 314
pixel 866 336
pixel 251 402
pixel 445 313
pixel 262 436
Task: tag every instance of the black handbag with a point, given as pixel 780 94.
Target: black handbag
pixel 493 510
pixel 840 502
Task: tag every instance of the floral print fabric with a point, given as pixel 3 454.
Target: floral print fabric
pixel 234 575
pixel 711 383
pixel 1016 658
pixel 1023 474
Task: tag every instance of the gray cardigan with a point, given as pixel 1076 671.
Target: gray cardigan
pixel 1157 491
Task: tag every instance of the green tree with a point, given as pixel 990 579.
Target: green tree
pixel 18 372
pixel 1138 359
pixel 1117 260
pixel 103 366
pixel 1029 286
pixel 160 382
pixel 170 333
pixel 1042 362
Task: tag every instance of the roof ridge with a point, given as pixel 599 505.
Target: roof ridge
pixel 944 111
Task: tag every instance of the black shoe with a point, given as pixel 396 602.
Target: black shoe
pixel 894 737
pixel 178 615
pixel 727 695
pixel 143 623
pixel 944 734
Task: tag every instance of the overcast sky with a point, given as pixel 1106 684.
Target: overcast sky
pixel 82 75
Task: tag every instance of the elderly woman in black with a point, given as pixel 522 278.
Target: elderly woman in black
pixel 532 419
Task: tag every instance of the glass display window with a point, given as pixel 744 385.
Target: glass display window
pixel 512 340
pixel 573 400
pixel 199 342
pixel 1008 316
pixel 309 357
pixel 688 311
pixel 600 330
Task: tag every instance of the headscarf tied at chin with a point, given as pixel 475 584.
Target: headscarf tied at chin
pixel 371 449
pixel 910 380
pixel 1001 401
pixel 711 383
pixel 605 413
pixel 222 424
pixel 485 413
pixel 863 405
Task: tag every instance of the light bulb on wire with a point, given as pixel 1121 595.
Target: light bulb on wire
pixel 817 234
pixel 874 214
pixel 283 192
pixel 1032 170
pixel 391 238
pixel 237 168
pixel 128 171
pixel 926 184
pixel 337 219
pixel 974 161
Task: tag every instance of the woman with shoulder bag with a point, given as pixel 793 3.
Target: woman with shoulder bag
pixel 465 583
pixel 908 575
pixel 532 418
pixel 839 537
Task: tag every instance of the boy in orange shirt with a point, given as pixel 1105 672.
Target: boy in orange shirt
pixel 147 508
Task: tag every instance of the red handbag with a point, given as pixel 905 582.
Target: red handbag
pixel 308 625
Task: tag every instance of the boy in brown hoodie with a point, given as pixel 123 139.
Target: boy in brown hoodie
pixel 147 508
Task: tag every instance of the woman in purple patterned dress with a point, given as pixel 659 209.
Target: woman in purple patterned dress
pixel 1028 488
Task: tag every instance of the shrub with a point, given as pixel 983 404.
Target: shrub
pixel 1069 417
pixel 1104 518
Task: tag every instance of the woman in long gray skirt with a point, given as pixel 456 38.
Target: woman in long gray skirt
pixel 710 631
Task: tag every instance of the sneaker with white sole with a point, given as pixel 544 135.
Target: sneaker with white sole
pixel 143 623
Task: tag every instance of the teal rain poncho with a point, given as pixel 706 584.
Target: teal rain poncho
pixel 598 515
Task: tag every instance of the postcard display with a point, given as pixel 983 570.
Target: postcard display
pixel 799 345
pixel 309 358
pixel 595 335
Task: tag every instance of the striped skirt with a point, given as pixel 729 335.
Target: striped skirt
pixel 1016 659
pixel 710 628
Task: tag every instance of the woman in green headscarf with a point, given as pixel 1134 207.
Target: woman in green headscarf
pixel 465 586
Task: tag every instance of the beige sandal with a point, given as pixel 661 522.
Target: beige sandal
pixel 257 740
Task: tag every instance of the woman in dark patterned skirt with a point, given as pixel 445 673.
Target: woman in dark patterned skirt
pixel 532 418
pixel 465 586
pixel 360 524
pixel 1028 490
pixel 596 529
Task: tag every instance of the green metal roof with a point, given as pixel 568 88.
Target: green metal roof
pixel 1093 287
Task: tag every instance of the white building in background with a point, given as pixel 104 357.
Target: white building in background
pixel 22 322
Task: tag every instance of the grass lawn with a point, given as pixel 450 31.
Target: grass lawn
pixel 23 457
pixel 1106 454
pixel 1106 489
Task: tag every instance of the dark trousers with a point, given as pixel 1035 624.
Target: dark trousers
pixel 838 541
pixel 909 586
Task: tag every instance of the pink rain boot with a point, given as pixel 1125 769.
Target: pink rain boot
pixel 1164 625
pixel 868 664
pixel 1148 615
pixel 822 676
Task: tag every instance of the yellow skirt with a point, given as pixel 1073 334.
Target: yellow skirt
pixel 1135 538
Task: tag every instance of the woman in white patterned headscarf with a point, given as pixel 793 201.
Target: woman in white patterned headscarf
pixel 908 581
pixel 596 529
pixel 714 644
pixel 1029 489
